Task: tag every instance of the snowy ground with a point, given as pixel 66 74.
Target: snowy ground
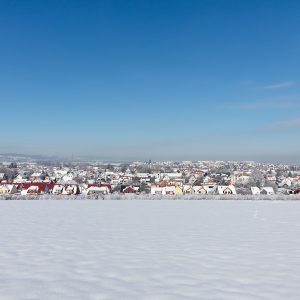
pixel 149 250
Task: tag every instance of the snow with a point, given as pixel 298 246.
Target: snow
pixel 152 250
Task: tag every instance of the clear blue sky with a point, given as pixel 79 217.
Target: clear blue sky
pixel 151 79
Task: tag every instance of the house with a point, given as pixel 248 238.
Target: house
pixel 242 178
pixel 130 189
pixel 226 190
pixel 176 182
pixel 202 190
pixel 90 181
pixel 92 189
pixel 71 189
pixel 178 190
pixel 8 189
pixel 255 190
pixel 206 189
pixel 126 179
pixel 285 191
pixel 34 188
pixel 57 189
pixel 35 176
pixel 167 176
pixel 157 190
pixel 271 178
pixel 68 177
pixel 38 188
pixel 170 190
pixel 286 182
pixel 191 179
pixel 209 181
pixel 188 189
pixel 144 177
pixel 21 178
pixel 163 189
pixel 267 191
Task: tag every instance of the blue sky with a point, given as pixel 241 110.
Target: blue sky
pixel 151 79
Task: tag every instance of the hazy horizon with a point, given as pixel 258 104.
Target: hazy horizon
pixel 292 159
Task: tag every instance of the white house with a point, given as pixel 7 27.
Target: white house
pixel 267 191
pixel 163 190
pixel 206 189
pixel 226 190
pixel 97 190
pixel 58 189
pixel 8 189
pixel 68 177
pixel 255 190
pixel 157 190
pixel 170 190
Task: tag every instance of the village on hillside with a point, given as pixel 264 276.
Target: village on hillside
pixel 34 177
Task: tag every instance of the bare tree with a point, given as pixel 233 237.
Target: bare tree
pixel 256 179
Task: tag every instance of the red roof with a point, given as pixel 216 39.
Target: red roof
pixel 42 186
pixel 129 189
pixel 99 185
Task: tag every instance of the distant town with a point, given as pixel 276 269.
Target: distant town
pixel 34 177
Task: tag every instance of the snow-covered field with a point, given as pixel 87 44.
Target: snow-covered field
pixel 152 250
